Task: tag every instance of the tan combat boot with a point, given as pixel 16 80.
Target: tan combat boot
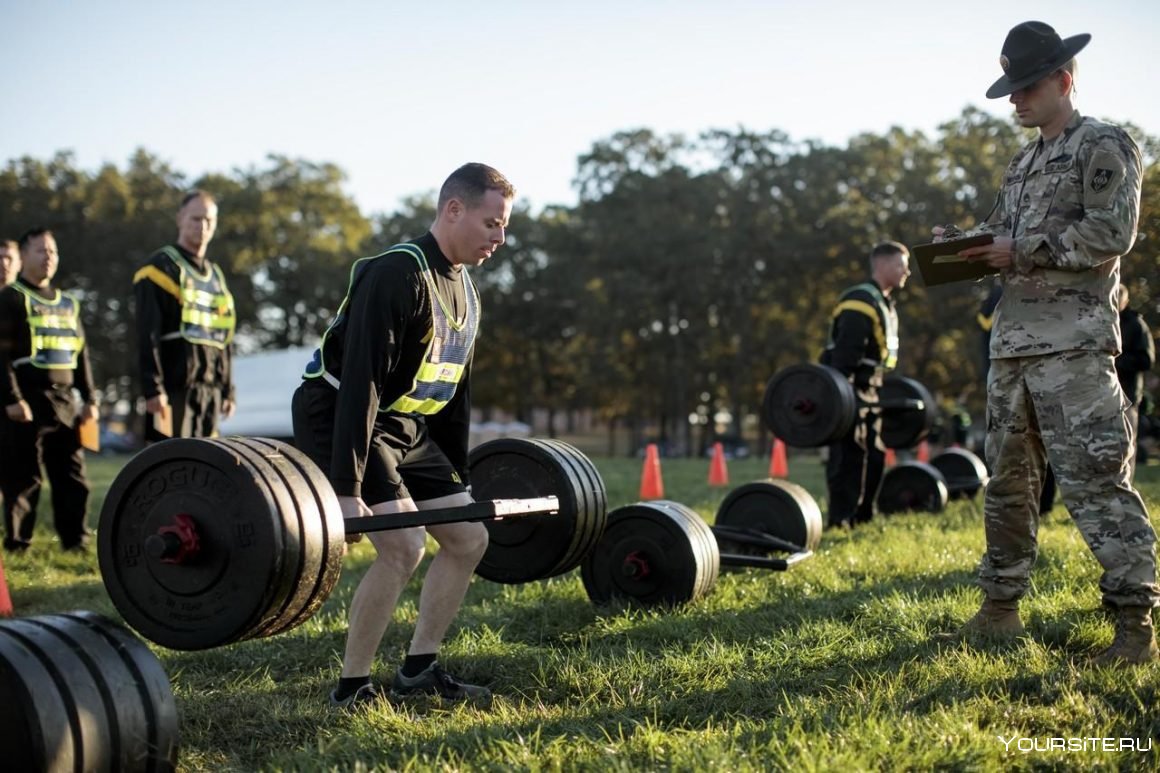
pixel 994 620
pixel 1135 640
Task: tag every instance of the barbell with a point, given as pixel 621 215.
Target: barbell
pixel 207 542
pixel 80 693
pixel 661 553
pixel 917 486
pixel 204 542
pixel 810 405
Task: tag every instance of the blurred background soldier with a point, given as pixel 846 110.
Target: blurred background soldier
pixel 1137 356
pixel 863 345
pixel 42 359
pixel 185 326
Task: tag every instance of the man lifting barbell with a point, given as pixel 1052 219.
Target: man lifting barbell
pixel 384 409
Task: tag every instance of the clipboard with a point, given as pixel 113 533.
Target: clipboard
pixel 939 263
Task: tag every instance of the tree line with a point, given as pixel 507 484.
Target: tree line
pixel 689 270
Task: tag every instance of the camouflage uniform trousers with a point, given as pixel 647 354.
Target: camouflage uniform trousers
pixel 1066 408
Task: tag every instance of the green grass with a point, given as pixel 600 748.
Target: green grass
pixel 829 666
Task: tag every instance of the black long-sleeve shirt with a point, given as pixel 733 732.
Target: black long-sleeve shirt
pixel 48 391
pixel 855 350
pixel 173 365
pixel 375 350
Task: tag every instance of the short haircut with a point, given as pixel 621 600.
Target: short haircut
pixel 888 249
pixel 196 194
pixel 470 182
pixel 10 243
pixel 32 233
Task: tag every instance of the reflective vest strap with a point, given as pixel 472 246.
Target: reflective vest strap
pixel 865 308
pixel 58 343
pixel 410 405
pixel 440 371
pixel 159 278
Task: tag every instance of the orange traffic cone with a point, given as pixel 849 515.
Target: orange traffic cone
pixel 923 453
pixel 652 486
pixel 778 465
pixel 718 475
pixel 5 598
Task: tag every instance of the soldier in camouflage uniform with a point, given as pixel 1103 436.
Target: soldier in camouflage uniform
pixel 1066 213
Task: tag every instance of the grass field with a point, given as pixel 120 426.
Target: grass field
pixel 829 666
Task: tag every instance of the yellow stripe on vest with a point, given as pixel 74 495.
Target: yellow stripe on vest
pixel 865 308
pixel 159 278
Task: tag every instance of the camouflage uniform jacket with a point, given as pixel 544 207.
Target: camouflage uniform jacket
pixel 1071 204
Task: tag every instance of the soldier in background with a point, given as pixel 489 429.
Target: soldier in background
pixel 185 326
pixel 1137 356
pixel 863 345
pixel 1067 211
pixel 43 358
pixel 9 262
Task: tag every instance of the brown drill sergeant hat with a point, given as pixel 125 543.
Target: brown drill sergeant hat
pixel 1033 50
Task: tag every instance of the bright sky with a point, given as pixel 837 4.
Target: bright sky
pixel 398 93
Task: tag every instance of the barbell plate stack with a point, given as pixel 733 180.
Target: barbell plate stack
pixel 905 428
pixel 656 553
pixel 537 547
pixel 315 519
pixel 964 472
pixel 259 562
pixel 809 405
pixel 78 692
pixel 776 507
pixel 912 486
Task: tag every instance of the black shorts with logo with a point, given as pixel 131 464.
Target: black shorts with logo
pixel 402 461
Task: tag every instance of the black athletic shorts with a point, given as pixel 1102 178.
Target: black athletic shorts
pixel 402 461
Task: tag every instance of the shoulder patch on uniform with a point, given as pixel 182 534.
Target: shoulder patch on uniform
pixel 1104 175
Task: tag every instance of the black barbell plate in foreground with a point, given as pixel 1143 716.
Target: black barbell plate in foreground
pixel 912 486
pixel 654 553
pixel 809 405
pixel 909 426
pixel 776 507
pixel 964 472
pixel 526 549
pixel 232 583
pixel 78 692
pixel 312 520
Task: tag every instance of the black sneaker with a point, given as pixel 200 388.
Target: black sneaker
pixel 360 698
pixel 433 681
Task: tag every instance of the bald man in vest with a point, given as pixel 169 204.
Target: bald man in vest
pixel 43 358
pixel 384 409
pixel 185 328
